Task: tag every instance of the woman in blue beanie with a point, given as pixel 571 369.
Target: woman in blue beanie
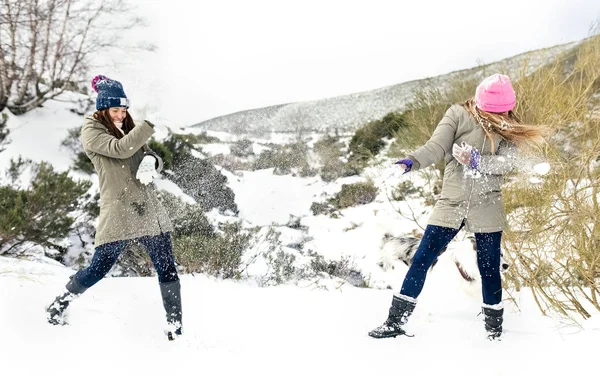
pixel 130 211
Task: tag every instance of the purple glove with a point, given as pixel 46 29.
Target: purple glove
pixel 406 162
pixel 475 159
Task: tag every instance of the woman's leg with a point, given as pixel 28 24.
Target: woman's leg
pixel 103 260
pixel 434 240
pixel 160 250
pixel 161 253
pixel 488 260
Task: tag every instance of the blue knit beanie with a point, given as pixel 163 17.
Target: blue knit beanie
pixel 110 93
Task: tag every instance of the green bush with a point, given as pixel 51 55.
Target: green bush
pixel 180 145
pixel 368 139
pixel 328 146
pixel 229 162
pixel 354 194
pixel 201 180
pixel 332 170
pixel 404 189
pixel 219 255
pixel 334 268
pixel 201 138
pixel 242 148
pixel 307 171
pixel 329 151
pixel 41 213
pixel 81 162
pixel 281 267
pixel 134 261
pixel 283 158
pixel 163 151
pixel 92 205
pixel 198 178
pixel 318 208
pixel 280 264
pixel 187 219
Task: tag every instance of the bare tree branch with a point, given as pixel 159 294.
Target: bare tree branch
pixel 27 76
pixel 47 46
pixel 51 10
pixel 59 42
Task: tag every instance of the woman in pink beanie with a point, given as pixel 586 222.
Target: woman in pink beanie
pixel 478 140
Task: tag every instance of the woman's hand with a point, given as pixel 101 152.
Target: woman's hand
pixel 146 171
pixel 466 155
pixel 462 153
pixel 405 164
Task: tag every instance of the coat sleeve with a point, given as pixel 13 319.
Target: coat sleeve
pixel 439 144
pixel 100 142
pixel 504 161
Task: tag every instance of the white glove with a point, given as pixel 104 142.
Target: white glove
pixel 462 153
pixel 146 171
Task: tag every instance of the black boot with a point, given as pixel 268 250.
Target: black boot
pixel 493 322
pixel 171 296
pixel 400 311
pixel 55 311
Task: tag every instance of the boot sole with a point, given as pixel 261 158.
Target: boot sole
pixel 173 335
pixel 394 335
pixel 57 321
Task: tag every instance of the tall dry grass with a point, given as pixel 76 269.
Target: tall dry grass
pixel 555 242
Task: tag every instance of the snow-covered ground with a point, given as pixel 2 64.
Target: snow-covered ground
pixel 232 328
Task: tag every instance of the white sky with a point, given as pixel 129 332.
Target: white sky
pixel 218 57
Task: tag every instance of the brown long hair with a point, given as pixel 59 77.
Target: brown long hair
pixel 103 117
pixel 508 126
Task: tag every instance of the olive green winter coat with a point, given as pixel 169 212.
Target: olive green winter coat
pixel 128 209
pixel 476 200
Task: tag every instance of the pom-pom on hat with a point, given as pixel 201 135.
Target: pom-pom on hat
pixel 110 93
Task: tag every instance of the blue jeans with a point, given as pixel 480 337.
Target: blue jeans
pixel 159 249
pixel 434 240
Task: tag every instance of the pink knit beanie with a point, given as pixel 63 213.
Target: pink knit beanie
pixel 495 94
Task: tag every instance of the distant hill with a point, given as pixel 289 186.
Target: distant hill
pixel 347 112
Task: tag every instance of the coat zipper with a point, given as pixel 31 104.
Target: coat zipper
pixel 472 184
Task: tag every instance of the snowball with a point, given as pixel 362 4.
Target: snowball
pixel 541 168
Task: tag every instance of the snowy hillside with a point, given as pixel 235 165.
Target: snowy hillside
pixel 347 112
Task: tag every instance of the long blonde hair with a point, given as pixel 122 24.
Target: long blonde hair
pixel 507 125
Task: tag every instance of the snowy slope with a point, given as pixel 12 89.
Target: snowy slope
pixel 348 112
pixel 37 135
